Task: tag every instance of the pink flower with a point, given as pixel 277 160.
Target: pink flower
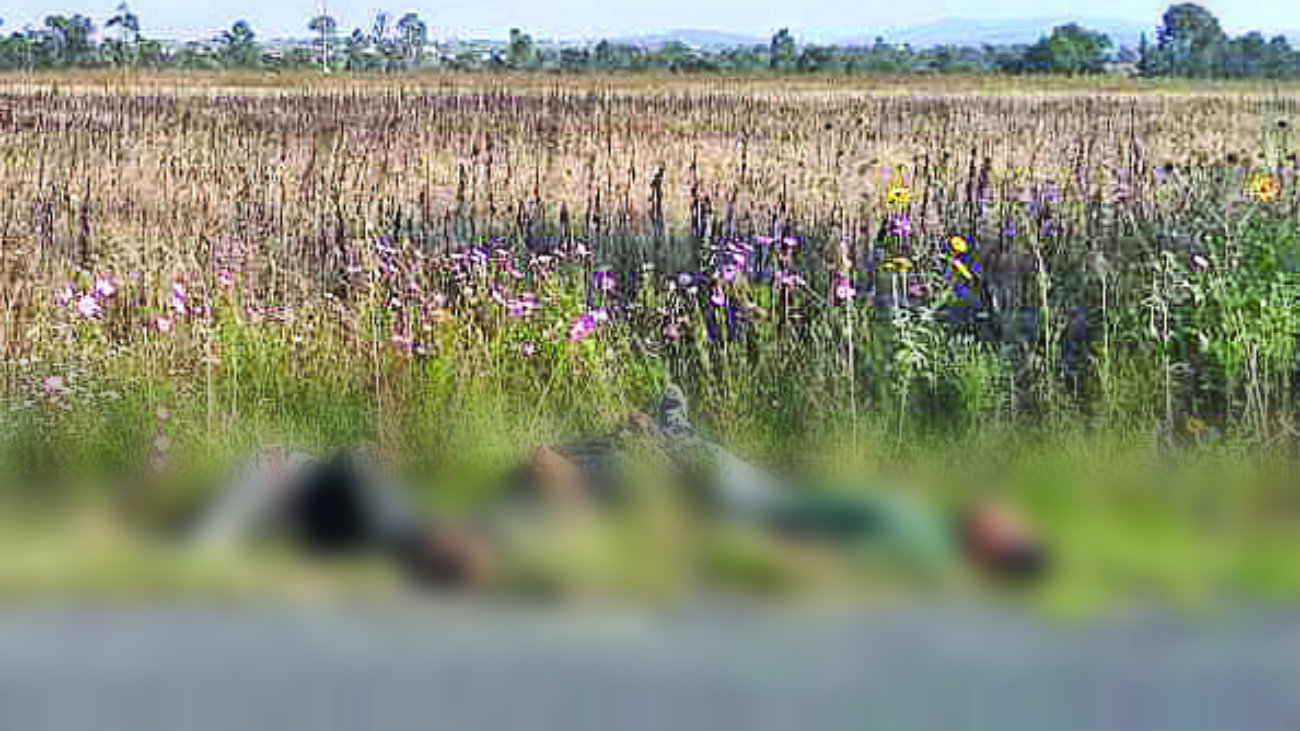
pixel 604 281
pixel 55 386
pixel 520 308
pixel 105 287
pixel 527 348
pixel 178 298
pixel 88 307
pixel 718 297
pixel 64 296
pixel 225 279
pixel 788 280
pixel 844 291
pixel 582 328
pixel 165 325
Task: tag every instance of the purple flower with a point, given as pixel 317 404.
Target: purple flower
pixel 788 280
pixel 900 225
pixel 64 296
pixel 88 307
pixel 582 327
pixel 527 348
pixel 105 287
pixel 729 273
pixel 225 279
pixel 178 297
pixel 521 307
pixel 718 297
pixel 604 281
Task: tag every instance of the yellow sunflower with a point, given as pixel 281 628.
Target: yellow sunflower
pixel 1264 187
pixel 899 195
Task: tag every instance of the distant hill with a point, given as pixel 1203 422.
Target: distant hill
pixel 693 37
pixel 974 32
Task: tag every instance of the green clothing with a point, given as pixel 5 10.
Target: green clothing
pixel 875 523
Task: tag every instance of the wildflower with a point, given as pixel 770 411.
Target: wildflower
pixel 165 325
pixel 729 273
pixel 527 348
pixel 521 307
pixel 64 296
pixel 88 307
pixel 1010 230
pixel 788 280
pixel 958 245
pixel 844 290
pixel 179 296
pixel 55 386
pixel 918 290
pixel 1264 187
pixel 604 281
pixel 225 279
pixel 581 328
pixel 900 225
pixel 105 287
pixel 718 298
pixel 899 195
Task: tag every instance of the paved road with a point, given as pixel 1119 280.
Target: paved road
pixel 468 667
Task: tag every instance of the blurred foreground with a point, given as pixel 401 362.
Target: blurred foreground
pixel 710 665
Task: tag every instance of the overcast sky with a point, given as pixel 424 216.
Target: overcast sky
pixel 594 18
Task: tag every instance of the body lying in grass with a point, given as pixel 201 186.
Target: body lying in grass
pixel 345 504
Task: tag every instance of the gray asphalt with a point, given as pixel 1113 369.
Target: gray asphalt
pixel 707 667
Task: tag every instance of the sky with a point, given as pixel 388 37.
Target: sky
pixel 611 18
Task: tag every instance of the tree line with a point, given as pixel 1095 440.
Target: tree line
pixel 1189 42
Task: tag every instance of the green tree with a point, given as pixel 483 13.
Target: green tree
pixel 781 54
pixel 324 26
pixel 521 51
pixel 67 40
pixel 1191 41
pixel 1070 49
pixel 238 46
pixel 124 50
pixel 414 34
